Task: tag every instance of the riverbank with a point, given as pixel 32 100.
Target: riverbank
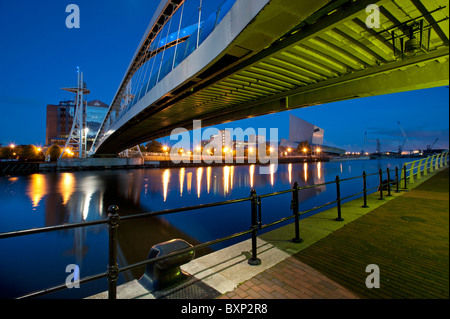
pixel 75 164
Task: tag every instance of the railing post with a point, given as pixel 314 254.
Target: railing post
pixel 381 184
pixel 389 181
pixel 338 193
pixel 404 174
pixel 113 268
pixel 259 213
pixel 295 208
pixel 365 189
pixel 254 260
pixel 396 180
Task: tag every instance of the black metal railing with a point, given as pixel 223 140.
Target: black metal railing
pixel 114 219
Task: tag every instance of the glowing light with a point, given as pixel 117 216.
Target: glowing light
pixel 208 178
pixel 272 172
pixel 304 150
pixel 319 170
pixel 250 149
pixel 181 180
pixel 12 145
pixel 189 182
pixel 166 177
pixel 252 173
pixel 37 189
pixel 66 186
pixel 290 173
pixel 226 179
pixel 199 180
pixel 289 150
pixel 38 149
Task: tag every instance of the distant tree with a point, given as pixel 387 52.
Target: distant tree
pixel 29 153
pixel 54 151
pixel 154 146
pixel 6 152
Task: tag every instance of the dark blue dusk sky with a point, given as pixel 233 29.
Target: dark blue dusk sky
pixel 39 55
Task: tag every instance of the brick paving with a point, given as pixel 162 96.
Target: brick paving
pixel 408 238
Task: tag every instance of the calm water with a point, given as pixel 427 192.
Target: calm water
pixel 39 261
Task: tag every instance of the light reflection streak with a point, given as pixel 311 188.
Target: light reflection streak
pixel 290 173
pixel 319 170
pixel 166 177
pixel 37 189
pixel 226 179
pixel 182 171
pixel 66 186
pixel 199 180
pixel 208 178
pixel 189 182
pixel 252 173
pixel 305 171
pixel 272 172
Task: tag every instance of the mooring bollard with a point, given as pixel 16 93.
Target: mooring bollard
pixel 254 260
pixel 295 208
pixel 113 268
pixel 338 193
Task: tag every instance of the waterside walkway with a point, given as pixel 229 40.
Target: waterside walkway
pixel 407 238
pixel 406 235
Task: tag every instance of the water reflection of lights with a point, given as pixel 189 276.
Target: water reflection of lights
pixel 290 173
pixel 166 177
pixel 319 170
pixel 182 171
pixel 272 172
pixel 199 180
pixel 226 179
pixel 66 186
pixel 252 174
pixel 189 182
pixel 37 189
pixel 305 171
pixel 208 178
pixel 89 186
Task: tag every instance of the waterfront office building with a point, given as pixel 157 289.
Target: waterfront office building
pixel 60 120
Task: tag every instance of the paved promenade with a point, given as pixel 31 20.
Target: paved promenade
pixel 406 235
pixel 407 238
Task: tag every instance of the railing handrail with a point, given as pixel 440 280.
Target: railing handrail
pixel 256 200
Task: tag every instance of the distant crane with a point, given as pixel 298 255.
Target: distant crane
pixel 364 146
pixel 400 148
pixel 430 147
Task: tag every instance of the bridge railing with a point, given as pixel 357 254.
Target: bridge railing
pixel 385 186
pixel 180 36
pixel 416 169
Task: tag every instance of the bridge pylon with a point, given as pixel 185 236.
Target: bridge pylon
pixel 76 143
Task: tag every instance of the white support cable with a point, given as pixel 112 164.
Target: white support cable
pixel 199 20
pixel 164 51
pixel 178 36
pixel 154 60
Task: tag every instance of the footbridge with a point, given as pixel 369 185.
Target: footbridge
pixel 220 61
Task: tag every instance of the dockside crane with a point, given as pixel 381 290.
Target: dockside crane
pixel 400 148
pixel 430 147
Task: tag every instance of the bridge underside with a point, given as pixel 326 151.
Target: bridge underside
pixel 303 53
